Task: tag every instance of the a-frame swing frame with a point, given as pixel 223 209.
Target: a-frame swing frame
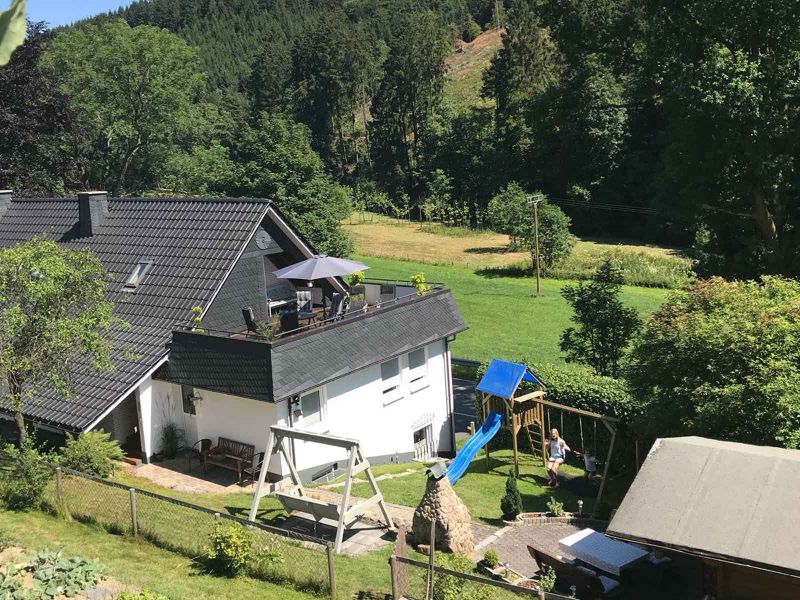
pixel 296 497
pixel 527 410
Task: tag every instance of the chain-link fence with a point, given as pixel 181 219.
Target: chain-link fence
pixel 417 580
pixel 282 556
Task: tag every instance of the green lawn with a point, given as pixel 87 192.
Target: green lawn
pixel 134 562
pixel 505 320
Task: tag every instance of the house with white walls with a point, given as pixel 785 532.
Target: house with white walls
pixel 378 371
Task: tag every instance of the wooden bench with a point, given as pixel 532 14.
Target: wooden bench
pixel 232 455
pixel 588 584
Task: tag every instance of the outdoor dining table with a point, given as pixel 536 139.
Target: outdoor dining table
pixel 600 551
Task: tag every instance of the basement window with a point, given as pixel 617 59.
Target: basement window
pixel 139 273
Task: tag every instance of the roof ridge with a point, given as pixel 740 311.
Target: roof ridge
pixel 152 199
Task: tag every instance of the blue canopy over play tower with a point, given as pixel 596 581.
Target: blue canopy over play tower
pixel 502 378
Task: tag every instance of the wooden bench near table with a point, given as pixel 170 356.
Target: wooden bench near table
pixel 232 455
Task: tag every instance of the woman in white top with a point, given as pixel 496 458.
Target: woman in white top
pixel 557 453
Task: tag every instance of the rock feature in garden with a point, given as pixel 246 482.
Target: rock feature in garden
pixel 453 523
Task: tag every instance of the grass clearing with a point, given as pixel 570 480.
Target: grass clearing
pixel 464 76
pixel 134 562
pixel 505 319
pixel 486 251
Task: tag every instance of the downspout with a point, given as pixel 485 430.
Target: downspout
pixel 293 400
pixel 448 376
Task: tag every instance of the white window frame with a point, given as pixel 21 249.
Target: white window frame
pixel 418 377
pixel 323 401
pixel 135 279
pixel 391 389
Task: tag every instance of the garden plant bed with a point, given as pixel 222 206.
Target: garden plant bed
pixel 544 518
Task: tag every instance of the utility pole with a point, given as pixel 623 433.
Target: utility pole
pixel 535 201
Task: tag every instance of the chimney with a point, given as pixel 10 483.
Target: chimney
pixel 5 201
pixel 92 209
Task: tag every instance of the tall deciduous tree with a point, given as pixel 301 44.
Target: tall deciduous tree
pixel 409 93
pixel 136 88
pixel 53 313
pixel 39 134
pixel 605 326
pixel 275 160
pixel 12 29
pixel 730 83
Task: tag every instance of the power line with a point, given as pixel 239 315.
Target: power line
pixel 642 210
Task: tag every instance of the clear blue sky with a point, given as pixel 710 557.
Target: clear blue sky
pixel 63 12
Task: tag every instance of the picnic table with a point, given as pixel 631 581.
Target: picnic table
pixel 601 552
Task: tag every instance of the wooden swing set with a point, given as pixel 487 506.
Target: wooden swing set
pixel 296 497
pixel 498 393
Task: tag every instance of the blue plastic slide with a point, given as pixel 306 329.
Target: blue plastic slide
pixel 468 451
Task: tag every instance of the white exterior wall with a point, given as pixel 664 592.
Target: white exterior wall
pixel 160 403
pixel 354 407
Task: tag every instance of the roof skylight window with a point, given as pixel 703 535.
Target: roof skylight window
pixel 139 273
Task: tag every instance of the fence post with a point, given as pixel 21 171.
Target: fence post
pixel 395 583
pixel 59 489
pixel 431 552
pixel 331 570
pixel 134 516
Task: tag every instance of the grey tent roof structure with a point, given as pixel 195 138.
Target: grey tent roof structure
pixel 191 244
pixel 734 502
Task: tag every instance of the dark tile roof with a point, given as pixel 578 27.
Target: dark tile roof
pixel 192 244
pixel 312 358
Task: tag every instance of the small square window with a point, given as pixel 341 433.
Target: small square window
pixel 139 273
pixel 187 392
pixel 390 380
pixel 311 405
pixel 417 369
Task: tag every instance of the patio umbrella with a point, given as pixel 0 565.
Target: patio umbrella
pixel 320 266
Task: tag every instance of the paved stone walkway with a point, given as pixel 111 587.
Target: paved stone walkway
pixel 511 544
pixel 176 475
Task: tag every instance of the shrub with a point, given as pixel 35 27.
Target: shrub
pixel 547 579
pixel 91 452
pixel 604 325
pixel 721 360
pixel 490 559
pixel 356 278
pixel 511 503
pixel 555 507
pixel 448 587
pixel 230 549
pixel 145 594
pixel 171 440
pixel 25 481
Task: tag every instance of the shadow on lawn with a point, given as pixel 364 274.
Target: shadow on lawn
pixel 516 270
pixel 488 250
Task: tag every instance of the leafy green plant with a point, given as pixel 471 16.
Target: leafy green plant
pixel 356 278
pixel 547 579
pixel 172 440
pixel 12 30
pixel 197 319
pixel 511 503
pixel 418 281
pixel 490 559
pixel 145 594
pixel 23 484
pixel 230 549
pixel 50 575
pixel 555 507
pixel 91 452
pixel 449 587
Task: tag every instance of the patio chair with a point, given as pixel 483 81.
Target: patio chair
pixel 247 313
pixel 388 292
pixel 199 449
pixel 337 306
pixel 305 308
pixel 289 321
pixel 252 471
